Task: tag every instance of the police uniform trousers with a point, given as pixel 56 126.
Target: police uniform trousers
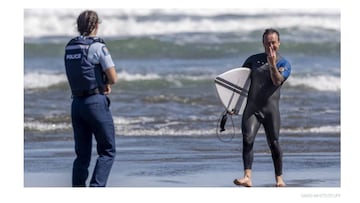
pixel 91 116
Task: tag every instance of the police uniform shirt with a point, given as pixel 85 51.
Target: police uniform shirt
pixel 98 53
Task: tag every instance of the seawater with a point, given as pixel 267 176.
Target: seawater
pixel 167 61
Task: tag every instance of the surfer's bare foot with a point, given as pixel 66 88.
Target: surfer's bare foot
pixel 245 181
pixel 280 182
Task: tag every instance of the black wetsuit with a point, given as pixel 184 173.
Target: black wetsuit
pixel 263 108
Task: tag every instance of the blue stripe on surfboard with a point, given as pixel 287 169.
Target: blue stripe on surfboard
pixel 231 86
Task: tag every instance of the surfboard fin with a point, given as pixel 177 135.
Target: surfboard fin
pixel 223 122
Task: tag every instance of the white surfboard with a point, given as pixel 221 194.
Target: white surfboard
pixel 232 88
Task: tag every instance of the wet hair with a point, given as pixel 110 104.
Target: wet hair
pixel 270 31
pixel 86 22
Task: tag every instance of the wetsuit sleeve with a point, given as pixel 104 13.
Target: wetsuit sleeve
pixel 287 68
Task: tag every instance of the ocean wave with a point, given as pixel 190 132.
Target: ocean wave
pixel 320 83
pixel 139 22
pixel 149 126
pixel 320 129
pixel 46 126
pixel 34 80
pixel 124 75
pixel 37 80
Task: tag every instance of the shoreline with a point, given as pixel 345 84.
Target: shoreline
pixel 183 162
pixel 261 179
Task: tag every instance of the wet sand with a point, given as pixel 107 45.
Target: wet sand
pixel 180 162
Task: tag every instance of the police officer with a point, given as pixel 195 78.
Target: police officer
pixel 90 71
pixel 269 70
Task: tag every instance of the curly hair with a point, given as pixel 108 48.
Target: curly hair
pixel 86 22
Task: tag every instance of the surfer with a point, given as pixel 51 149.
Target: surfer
pixel 269 70
pixel 90 72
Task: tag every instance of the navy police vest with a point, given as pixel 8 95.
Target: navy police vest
pixel 83 76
